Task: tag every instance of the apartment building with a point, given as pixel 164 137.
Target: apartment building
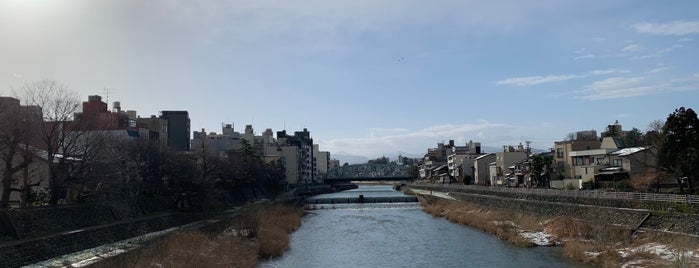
pixel 480 169
pixel 563 162
pixel 178 129
pixel 504 164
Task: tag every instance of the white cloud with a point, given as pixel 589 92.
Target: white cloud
pixel 685 39
pixel 585 56
pixel 534 80
pixel 659 53
pixel 668 28
pixel 622 93
pixel 417 141
pixel 617 87
pixel 614 82
pixel 538 79
pixel 606 72
pixel 660 69
pixel 625 87
pixel 632 48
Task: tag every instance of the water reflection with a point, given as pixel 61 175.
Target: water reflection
pixel 400 235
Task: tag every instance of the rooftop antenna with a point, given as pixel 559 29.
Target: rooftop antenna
pixel 106 91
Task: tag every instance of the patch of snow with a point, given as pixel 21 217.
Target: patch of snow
pixel 592 254
pixel 663 253
pixel 538 238
pixel 634 263
pixel 628 151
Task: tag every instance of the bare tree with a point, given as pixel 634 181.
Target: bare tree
pixel 60 135
pixel 18 124
pixel 10 142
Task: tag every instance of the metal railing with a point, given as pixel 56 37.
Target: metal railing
pixel 673 198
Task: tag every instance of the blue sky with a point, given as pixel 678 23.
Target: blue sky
pixel 369 77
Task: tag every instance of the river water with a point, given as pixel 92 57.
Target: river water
pixel 400 235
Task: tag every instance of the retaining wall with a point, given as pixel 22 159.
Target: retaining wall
pixel 575 207
pixel 604 202
pixel 28 251
pixel 36 222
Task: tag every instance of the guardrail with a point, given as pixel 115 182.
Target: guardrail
pixel 673 198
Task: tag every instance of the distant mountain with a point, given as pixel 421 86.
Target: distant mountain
pixel 350 159
pixel 358 159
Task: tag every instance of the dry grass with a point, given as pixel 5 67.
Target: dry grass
pixel 408 192
pixel 273 241
pixel 567 227
pixel 582 241
pixel 579 250
pixel 189 249
pixel 505 225
pixel 257 232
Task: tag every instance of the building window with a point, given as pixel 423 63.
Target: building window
pixel 559 152
pixel 616 162
pixel 600 161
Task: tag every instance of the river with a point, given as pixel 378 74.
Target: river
pixel 400 235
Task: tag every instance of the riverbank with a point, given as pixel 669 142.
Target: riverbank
pixel 257 232
pixel 585 241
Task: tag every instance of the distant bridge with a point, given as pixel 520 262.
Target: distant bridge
pixel 370 172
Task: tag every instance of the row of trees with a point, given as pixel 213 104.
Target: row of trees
pixel 41 144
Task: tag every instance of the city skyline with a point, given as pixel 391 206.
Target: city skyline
pixel 368 78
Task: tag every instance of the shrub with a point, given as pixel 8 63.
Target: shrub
pixel 588 185
pixel 624 186
pixel 273 241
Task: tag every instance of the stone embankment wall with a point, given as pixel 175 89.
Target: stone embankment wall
pixel 27 251
pixel 602 211
pixel 36 222
pixel 35 234
pixel 603 202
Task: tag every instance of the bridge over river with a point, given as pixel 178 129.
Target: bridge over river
pixel 370 172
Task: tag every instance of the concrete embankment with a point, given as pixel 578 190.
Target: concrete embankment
pixel 31 250
pixel 605 211
pixel 38 234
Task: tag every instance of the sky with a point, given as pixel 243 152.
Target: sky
pixel 368 77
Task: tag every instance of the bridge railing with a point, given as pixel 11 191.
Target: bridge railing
pixel 673 198
pixel 369 170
